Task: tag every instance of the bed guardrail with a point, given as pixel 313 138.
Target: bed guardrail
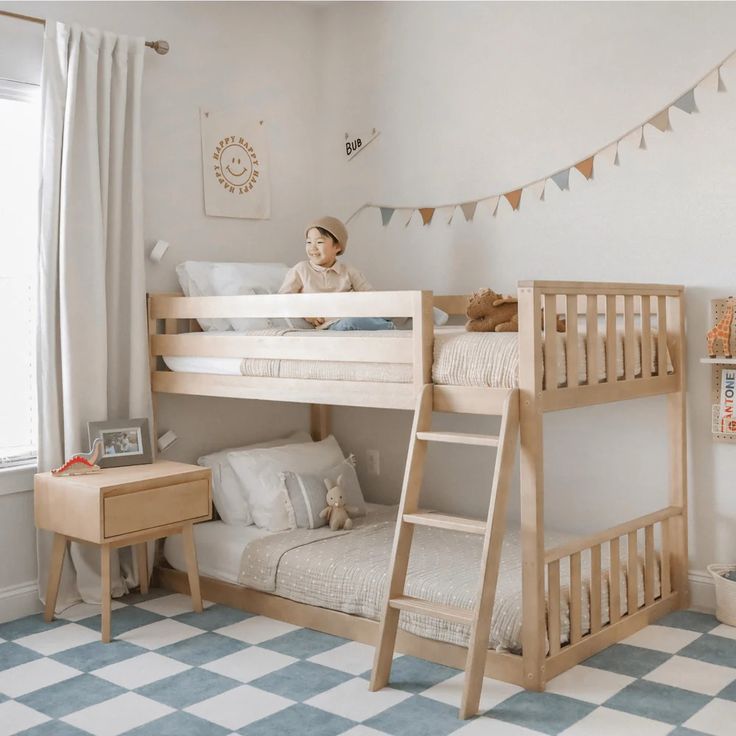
pixel 640 328
pixel 171 314
pixel 601 555
pixel 631 323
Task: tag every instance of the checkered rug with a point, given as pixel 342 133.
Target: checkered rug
pixel 171 672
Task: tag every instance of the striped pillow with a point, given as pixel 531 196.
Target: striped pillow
pixel 304 494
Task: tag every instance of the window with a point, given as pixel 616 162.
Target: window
pixel 19 169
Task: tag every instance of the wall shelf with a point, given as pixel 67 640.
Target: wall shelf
pixel 723 370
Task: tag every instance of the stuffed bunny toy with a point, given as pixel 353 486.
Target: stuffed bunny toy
pixel 337 513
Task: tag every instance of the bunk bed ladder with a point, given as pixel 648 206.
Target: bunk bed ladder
pixel 492 530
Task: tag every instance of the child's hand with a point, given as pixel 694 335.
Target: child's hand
pixel 315 321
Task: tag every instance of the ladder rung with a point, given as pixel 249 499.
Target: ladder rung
pixel 443 521
pixel 486 440
pixel 427 608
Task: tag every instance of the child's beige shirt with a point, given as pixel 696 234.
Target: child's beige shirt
pixel 309 279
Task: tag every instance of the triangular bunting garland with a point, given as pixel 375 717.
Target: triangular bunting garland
pixel 386 214
pixel 492 203
pixel 586 168
pixel 636 136
pixel 427 214
pixel 661 121
pixel 632 138
pixel 537 188
pixel 468 209
pixel 406 215
pixel 562 179
pixel 607 154
pixel 445 213
pixel 710 81
pixel 514 198
pixel 686 103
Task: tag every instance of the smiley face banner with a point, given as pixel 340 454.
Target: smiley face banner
pixel 234 166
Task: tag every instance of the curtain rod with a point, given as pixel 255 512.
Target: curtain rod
pixel 160 47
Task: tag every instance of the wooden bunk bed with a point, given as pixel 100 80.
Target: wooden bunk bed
pixel 646 319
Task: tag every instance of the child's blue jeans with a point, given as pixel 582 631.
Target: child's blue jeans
pixel 362 323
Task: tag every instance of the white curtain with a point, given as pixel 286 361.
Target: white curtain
pixel 92 344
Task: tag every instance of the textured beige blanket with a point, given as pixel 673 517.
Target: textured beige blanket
pixel 460 359
pixel 347 571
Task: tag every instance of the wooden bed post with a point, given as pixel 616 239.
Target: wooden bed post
pixel 532 486
pixel 320 423
pixel 676 405
pixel 423 337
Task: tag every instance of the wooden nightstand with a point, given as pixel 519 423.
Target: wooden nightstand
pixel 118 507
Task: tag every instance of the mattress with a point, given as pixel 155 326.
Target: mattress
pixel 460 359
pixel 348 572
pixel 219 548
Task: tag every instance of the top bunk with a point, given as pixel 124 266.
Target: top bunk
pixel 621 341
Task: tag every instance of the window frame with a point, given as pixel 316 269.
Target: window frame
pixel 19 91
pixel 18 477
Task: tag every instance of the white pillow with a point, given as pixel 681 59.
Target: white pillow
pixel 259 472
pixel 439 317
pixel 205 278
pixel 304 496
pixel 194 281
pixel 226 492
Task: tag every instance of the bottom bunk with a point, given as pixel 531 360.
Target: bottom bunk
pixel 335 582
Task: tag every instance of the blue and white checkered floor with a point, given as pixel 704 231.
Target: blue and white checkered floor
pixel 173 672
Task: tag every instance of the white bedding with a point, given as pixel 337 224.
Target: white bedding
pixel 198 364
pixel 460 359
pixel 219 548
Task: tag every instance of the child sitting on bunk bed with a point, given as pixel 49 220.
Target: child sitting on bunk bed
pixel 326 240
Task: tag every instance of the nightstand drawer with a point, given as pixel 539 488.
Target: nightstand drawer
pixel 132 512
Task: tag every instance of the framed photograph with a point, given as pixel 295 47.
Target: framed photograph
pixel 124 442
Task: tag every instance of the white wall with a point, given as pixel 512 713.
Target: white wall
pixel 473 99
pixel 254 56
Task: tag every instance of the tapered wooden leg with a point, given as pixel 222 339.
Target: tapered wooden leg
pixel 105 592
pixel 190 552
pixel 52 585
pixel 141 553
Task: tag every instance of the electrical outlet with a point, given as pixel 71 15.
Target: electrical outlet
pixel 374 462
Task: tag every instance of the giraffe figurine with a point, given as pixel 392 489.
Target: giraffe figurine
pixel 722 331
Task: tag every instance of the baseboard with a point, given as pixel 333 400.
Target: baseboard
pixel 20 600
pixel 702 591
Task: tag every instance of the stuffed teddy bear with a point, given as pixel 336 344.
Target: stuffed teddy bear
pixel 491 312
pixel 488 311
pixel 337 513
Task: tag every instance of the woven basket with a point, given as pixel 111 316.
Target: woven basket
pixel 725 594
